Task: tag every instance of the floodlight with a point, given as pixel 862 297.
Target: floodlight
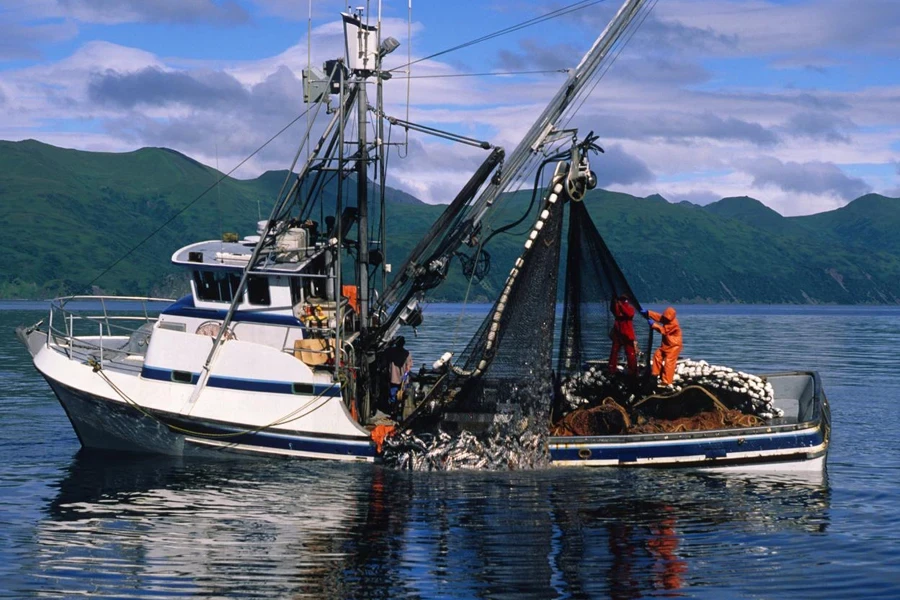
pixel 387 46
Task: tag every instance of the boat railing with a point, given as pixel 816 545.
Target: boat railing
pixel 99 327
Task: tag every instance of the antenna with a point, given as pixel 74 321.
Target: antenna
pixel 218 191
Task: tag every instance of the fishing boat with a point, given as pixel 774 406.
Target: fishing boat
pixel 278 348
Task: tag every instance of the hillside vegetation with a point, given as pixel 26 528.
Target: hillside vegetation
pixel 68 216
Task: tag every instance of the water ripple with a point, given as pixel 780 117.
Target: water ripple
pixel 76 524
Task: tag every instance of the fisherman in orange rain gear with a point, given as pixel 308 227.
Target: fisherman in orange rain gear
pixel 667 354
pixel 622 335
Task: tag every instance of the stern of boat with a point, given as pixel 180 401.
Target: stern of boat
pixel 797 441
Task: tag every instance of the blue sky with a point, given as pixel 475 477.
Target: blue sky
pixel 793 102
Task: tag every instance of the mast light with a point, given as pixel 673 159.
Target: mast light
pixel 388 45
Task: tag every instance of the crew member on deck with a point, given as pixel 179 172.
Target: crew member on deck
pixel 399 363
pixel 667 354
pixel 622 335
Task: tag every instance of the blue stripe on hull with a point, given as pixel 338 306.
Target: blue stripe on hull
pixel 246 385
pixel 104 424
pixel 714 451
pixel 220 433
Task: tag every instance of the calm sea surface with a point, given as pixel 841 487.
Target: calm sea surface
pixel 106 526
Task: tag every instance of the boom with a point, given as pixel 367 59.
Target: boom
pixel 427 265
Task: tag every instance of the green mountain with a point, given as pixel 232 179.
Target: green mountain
pixel 869 223
pixel 71 219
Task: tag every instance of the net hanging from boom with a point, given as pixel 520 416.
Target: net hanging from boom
pixel 593 280
pixel 511 355
pixel 509 361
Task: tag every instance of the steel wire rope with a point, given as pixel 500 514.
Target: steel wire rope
pixel 576 6
pixel 585 93
pixel 630 30
pixel 189 204
pixel 408 73
pixel 98 368
pixel 485 74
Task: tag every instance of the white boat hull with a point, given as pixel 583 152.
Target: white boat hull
pixel 123 412
pixel 105 424
pixel 108 418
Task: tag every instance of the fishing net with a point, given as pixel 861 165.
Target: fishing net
pixel 693 409
pixel 593 281
pixel 510 358
pixel 508 364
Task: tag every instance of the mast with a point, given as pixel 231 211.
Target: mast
pixel 364 53
pixel 362 205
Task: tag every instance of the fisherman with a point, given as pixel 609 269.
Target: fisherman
pixel 399 364
pixel 622 335
pixel 667 354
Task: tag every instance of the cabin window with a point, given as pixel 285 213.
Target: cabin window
pixel 258 290
pixel 303 388
pixel 182 377
pixel 216 286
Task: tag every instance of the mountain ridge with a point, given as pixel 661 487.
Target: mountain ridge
pixel 81 212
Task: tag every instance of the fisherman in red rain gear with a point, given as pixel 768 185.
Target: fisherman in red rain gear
pixel 622 335
pixel 666 355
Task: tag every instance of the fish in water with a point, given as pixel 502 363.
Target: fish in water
pixel 508 445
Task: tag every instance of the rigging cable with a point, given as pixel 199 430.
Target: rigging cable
pixel 486 74
pixel 517 181
pixel 631 30
pixel 408 73
pixel 512 28
pixel 191 203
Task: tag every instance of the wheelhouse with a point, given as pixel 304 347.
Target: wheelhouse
pixel 290 300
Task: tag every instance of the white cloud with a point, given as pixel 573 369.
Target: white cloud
pixel 814 177
pixel 25 41
pixel 670 125
pixel 155 11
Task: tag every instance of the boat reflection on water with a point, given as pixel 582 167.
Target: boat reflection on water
pixel 170 526
pixel 619 534
pixel 278 529
pixel 665 535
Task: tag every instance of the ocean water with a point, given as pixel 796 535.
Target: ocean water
pixel 76 524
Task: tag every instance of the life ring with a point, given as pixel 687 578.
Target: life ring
pixel 211 328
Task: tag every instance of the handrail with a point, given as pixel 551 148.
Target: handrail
pixel 118 326
pixel 123 298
